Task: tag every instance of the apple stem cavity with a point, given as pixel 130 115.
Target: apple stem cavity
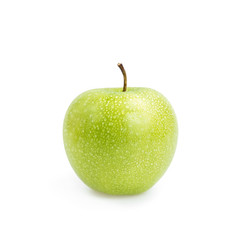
pixel 124 77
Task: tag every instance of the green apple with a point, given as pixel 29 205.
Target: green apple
pixel 120 141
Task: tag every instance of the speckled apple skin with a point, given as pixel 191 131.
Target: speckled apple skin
pixel 120 143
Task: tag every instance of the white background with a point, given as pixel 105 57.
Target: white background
pixel 51 51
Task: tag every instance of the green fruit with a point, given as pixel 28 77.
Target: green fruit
pixel 120 142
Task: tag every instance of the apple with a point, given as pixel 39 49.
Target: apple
pixel 120 141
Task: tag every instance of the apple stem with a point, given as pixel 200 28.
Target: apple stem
pixel 124 77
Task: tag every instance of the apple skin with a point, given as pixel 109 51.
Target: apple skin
pixel 120 143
